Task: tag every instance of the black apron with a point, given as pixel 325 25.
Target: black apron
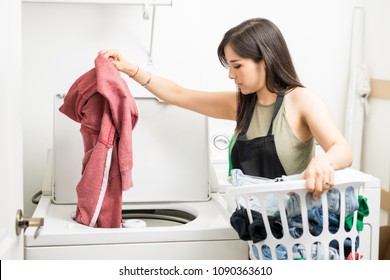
pixel 258 157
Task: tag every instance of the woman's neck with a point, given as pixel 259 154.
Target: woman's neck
pixel 265 97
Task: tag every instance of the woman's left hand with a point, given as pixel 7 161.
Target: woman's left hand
pixel 319 176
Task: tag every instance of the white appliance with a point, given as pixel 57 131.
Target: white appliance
pixel 170 213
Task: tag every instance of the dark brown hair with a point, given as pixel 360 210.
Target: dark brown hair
pixel 258 39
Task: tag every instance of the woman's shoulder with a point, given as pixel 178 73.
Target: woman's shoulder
pixel 300 92
pixel 304 102
pixel 303 96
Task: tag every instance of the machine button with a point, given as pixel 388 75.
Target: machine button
pixel 221 142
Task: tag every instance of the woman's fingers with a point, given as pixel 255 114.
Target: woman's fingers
pixel 318 183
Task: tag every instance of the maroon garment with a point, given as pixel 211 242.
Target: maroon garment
pixel 101 102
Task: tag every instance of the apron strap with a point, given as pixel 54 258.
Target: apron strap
pixel 278 104
pixel 247 122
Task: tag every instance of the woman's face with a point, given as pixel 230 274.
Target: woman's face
pixel 248 75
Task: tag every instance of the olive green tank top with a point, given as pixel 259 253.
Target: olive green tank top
pixel 292 152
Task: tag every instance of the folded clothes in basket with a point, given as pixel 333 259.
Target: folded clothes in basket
pixel 299 252
pixel 292 203
pixel 333 196
pixel 255 231
pixel 238 178
pixel 352 203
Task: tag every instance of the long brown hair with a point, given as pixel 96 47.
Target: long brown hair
pixel 258 39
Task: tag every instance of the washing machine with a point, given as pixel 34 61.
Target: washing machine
pixel 173 211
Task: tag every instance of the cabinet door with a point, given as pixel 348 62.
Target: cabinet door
pixel 11 164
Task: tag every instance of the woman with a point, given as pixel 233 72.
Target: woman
pixel 278 119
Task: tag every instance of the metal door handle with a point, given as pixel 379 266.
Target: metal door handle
pixel 22 223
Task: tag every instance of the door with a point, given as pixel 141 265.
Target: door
pixel 11 165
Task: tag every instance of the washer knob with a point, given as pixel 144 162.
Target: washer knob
pixel 221 142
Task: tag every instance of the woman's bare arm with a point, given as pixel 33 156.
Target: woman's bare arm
pixel 220 105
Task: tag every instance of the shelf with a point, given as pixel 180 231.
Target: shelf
pixel 114 2
pixel 148 5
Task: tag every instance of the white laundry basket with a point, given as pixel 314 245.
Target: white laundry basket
pixel 262 197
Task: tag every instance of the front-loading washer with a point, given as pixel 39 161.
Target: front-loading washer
pixel 170 213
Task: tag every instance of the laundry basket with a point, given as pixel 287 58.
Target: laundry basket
pixel 280 220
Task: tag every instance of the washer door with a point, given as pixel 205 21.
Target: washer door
pixel 170 155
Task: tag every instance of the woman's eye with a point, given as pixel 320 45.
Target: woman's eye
pixel 237 66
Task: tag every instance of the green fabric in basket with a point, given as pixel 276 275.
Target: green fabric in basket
pixel 363 211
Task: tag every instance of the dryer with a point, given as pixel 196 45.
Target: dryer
pixel 170 213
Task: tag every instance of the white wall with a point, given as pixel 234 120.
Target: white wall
pixel 377 38
pixel 61 41
pixel 376 149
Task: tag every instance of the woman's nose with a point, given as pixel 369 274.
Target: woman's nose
pixel 231 74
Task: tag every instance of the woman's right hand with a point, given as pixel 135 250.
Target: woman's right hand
pixel 119 62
